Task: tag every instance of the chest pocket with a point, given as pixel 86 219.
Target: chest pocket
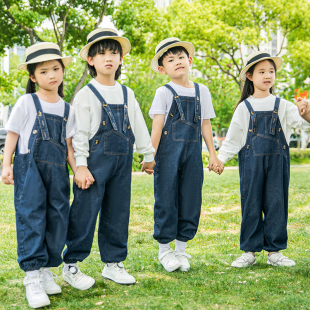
pixel 115 143
pixel 263 142
pixel 184 131
pixel 49 152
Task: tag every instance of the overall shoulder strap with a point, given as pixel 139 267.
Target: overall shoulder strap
pixel 41 117
pixel 125 94
pixel 64 122
pixel 104 105
pixel 248 105
pixel 274 116
pixel 178 101
pixel 197 103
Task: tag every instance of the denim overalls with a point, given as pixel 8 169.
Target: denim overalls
pixel 42 192
pixel 110 162
pixel 178 172
pixel 264 168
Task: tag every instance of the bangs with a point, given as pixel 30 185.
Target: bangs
pixel 105 45
pixel 176 50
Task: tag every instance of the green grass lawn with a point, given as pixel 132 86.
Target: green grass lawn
pixel 210 284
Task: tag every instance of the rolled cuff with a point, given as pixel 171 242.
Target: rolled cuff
pixel 223 157
pixel 81 161
pixel 148 158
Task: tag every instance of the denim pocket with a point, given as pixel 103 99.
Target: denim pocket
pixel 115 143
pixel 184 131
pixel 265 145
pixel 50 152
pixel 20 167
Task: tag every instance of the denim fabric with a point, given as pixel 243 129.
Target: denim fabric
pixel 178 172
pixel 264 168
pixel 110 162
pixel 42 192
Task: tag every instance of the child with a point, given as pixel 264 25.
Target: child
pixel 259 132
pixel 108 123
pixel 181 112
pixel 39 130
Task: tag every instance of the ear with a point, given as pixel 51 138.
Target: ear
pixel 32 78
pixel 161 70
pixel 90 60
pixel 249 76
pixel 121 60
pixel 190 60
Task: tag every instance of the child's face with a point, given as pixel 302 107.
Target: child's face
pixel 263 76
pixel 48 75
pixel 176 66
pixel 106 62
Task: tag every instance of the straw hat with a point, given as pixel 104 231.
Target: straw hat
pixel 43 51
pixel 257 57
pixel 166 44
pixel 103 34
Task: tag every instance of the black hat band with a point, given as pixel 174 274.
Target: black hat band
pixel 257 57
pixel 43 52
pixel 102 34
pixel 167 44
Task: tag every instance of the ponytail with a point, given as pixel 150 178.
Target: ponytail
pixel 248 87
pixel 31 86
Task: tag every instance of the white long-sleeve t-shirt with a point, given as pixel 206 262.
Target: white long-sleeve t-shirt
pixel 88 111
pixel 238 129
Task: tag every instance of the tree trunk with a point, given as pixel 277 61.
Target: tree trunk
pixel 80 83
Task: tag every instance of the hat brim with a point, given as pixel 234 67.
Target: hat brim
pixel 124 42
pixel 66 60
pixel 187 45
pixel 277 60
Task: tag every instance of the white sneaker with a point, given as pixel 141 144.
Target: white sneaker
pixel 169 260
pixel 49 284
pixel 118 274
pixel 183 259
pixel 245 260
pixel 35 293
pixel 77 279
pixel 278 259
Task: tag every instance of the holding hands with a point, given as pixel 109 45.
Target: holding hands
pixel 83 178
pixel 215 165
pixel 148 167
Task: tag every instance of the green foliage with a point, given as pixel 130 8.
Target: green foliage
pixel 217 28
pixel 144 82
pixel 14 84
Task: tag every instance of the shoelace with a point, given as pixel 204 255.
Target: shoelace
pixel 120 268
pixel 49 275
pixel 168 256
pixel 36 286
pixel 242 258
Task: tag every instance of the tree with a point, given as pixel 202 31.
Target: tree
pixel 223 33
pixel 71 20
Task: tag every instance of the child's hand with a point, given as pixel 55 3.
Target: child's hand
pixel 82 177
pixel 89 182
pixel 148 167
pixel 7 175
pixel 215 165
pixel 303 107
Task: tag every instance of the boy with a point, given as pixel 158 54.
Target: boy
pixel 108 122
pixel 181 112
